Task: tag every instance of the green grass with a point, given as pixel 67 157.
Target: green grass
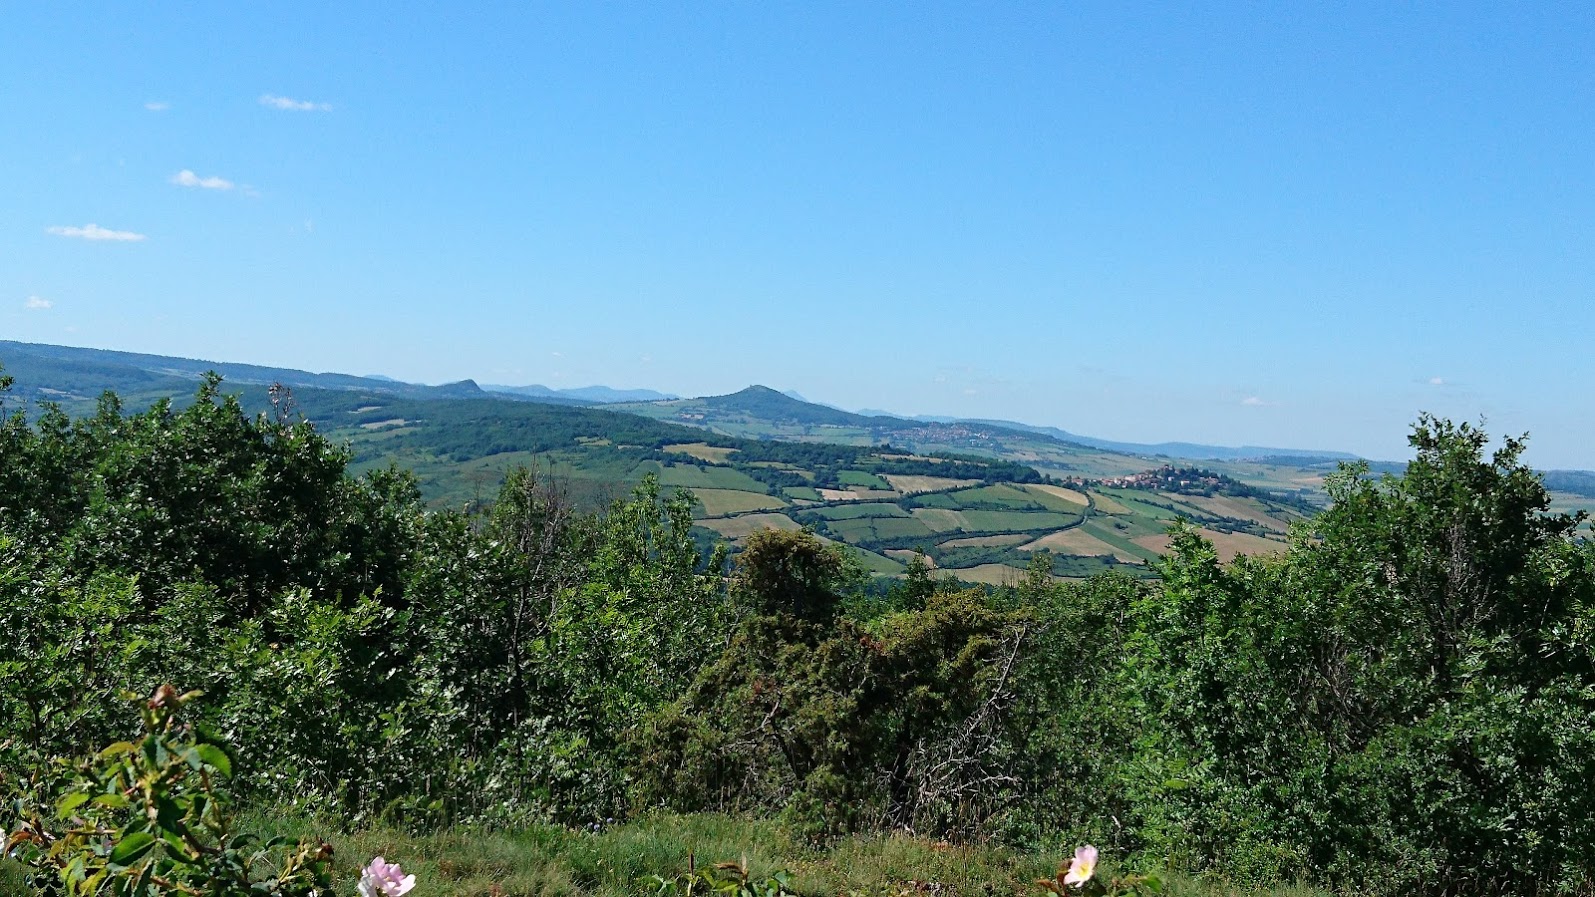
pixel 855 511
pixel 937 500
pixel 807 493
pixel 896 528
pixel 941 520
pixel 1001 495
pixel 695 477
pixel 716 502
pixel 1017 521
pixel 870 529
pixel 549 861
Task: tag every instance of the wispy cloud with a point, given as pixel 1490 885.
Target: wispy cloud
pixel 1257 402
pixel 289 104
pixel 35 303
pixel 186 178
pixel 1436 381
pixel 157 105
pixel 95 232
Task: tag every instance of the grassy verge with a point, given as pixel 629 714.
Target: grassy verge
pixel 547 860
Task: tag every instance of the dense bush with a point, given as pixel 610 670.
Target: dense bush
pixel 1402 703
pixel 376 659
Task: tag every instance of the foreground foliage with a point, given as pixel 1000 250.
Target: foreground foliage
pixel 1401 703
pixel 150 818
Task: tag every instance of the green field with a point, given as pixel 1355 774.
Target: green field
pixel 865 509
pixel 698 476
pixel 717 502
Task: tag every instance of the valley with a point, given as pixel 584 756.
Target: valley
pixel 977 501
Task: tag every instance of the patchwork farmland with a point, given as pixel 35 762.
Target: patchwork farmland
pixel 982 526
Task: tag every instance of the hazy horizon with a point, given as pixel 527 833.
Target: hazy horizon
pixel 1294 228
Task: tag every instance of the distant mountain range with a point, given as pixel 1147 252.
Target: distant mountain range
pixel 598 395
pixel 64 366
pixel 1189 451
pixel 70 375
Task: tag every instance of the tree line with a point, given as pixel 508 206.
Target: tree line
pixel 1400 703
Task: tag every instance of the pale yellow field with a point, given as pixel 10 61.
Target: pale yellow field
pixel 747 524
pixel 1107 505
pixel 941 520
pixel 907 554
pixel 702 451
pixel 984 541
pixel 731 501
pixel 992 574
pixel 1228 544
pixel 839 494
pixel 382 424
pixel 1226 506
pixel 908 485
pixel 1058 492
pixel 1076 541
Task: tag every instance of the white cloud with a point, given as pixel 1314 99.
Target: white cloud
pixel 186 178
pixel 95 232
pixel 1436 381
pixel 35 303
pixel 1256 402
pixel 288 104
pixel 157 106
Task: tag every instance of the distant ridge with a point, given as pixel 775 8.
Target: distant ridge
pixel 194 368
pixel 601 395
pixel 76 376
pixel 1194 451
pixel 89 372
pixel 1187 451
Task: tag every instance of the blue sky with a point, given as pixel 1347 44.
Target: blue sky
pixel 1281 224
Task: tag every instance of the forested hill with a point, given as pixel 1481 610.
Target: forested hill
pixel 764 403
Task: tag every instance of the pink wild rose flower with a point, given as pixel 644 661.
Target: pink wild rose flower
pixel 384 879
pixel 1083 865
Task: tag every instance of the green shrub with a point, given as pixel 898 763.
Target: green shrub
pixel 148 818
